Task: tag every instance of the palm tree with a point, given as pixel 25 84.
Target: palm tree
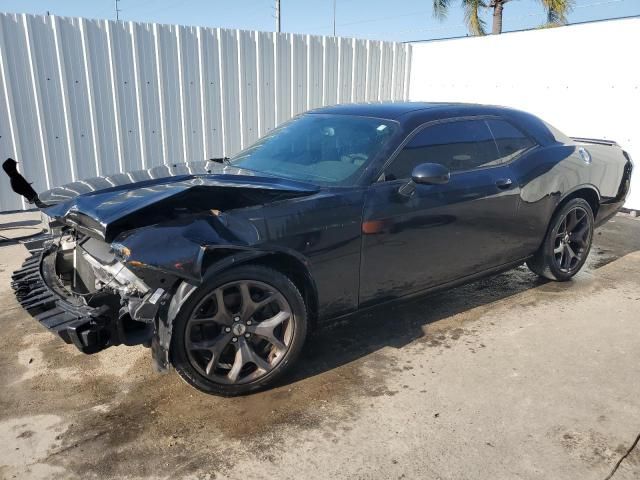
pixel 556 13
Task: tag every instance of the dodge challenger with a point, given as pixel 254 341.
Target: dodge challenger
pixel 223 267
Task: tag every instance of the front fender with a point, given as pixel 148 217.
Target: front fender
pixel 178 248
pixel 161 341
pixel 215 261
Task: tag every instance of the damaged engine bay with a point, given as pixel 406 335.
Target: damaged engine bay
pixel 87 269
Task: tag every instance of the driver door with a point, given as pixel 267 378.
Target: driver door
pixel 442 233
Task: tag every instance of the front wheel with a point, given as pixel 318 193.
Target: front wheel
pixel 240 331
pixel 567 243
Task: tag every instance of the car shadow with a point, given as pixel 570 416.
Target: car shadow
pixel 19 224
pixel 12 233
pixel 397 325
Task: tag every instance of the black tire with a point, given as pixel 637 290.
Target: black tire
pixel 553 260
pixel 187 360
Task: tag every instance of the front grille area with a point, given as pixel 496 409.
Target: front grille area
pixel 86 327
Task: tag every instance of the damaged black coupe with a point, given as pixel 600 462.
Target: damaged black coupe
pixel 223 267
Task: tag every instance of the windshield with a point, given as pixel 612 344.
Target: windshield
pixel 318 148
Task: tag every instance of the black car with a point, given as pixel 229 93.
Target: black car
pixel 223 267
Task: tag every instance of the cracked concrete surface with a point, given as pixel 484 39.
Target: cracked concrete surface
pixel 624 457
pixel 505 378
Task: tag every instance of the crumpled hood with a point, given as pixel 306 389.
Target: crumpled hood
pixel 108 212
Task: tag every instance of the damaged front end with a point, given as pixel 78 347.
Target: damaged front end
pixel 76 287
pixel 120 262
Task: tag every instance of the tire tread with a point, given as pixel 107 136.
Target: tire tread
pixel 541 262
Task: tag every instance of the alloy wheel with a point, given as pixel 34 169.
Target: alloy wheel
pixel 239 332
pixel 572 240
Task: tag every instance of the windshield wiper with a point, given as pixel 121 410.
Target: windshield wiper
pixel 226 161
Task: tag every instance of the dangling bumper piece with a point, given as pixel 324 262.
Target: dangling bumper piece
pixel 35 285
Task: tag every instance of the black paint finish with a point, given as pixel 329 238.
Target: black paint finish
pixel 356 246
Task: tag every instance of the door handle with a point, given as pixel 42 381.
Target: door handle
pixel 504 183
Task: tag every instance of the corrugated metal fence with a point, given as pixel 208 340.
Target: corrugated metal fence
pixel 83 98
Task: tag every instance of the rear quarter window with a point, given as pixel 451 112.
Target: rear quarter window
pixel 461 145
pixel 510 141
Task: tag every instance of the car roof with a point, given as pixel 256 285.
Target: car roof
pixel 390 110
pixel 412 114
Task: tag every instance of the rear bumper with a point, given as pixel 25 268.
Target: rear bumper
pixel 606 211
pixel 35 287
pixel 610 208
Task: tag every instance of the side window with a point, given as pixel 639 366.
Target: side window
pixel 460 145
pixel 509 140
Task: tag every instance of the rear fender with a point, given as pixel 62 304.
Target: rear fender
pixel 594 192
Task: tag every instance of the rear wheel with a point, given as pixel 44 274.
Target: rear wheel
pixel 567 243
pixel 239 332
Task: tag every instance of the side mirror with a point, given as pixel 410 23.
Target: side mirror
pixel 425 174
pixel 430 174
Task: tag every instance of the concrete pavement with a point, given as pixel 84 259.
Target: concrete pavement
pixel 505 378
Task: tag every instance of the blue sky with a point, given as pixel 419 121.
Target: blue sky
pixel 377 19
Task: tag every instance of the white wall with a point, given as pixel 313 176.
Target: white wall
pixel 82 98
pixel 583 79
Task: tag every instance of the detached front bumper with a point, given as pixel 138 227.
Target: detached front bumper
pixel 36 288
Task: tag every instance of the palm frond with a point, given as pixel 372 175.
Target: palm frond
pixel 472 17
pixel 440 8
pixel 547 25
pixel 557 10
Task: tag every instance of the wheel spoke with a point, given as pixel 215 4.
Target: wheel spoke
pixel 562 229
pixel 249 306
pixel 566 259
pixel 580 216
pixel 265 301
pixel 202 344
pixel 215 346
pixel 246 307
pixel 572 220
pixel 580 235
pixel 236 368
pixel 219 294
pixel 260 363
pixel 246 354
pixel 265 329
pixel 222 314
pixel 221 317
pixel 277 343
pixel 561 260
